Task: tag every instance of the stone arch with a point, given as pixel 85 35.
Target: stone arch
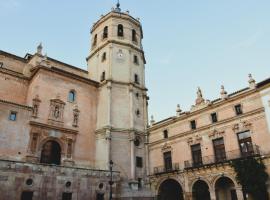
pixel 202 179
pixel 225 175
pixel 51 152
pixel 201 190
pixel 164 179
pixel 59 141
pixel 225 188
pixel 170 189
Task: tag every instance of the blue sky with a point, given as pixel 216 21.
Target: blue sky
pixel 187 43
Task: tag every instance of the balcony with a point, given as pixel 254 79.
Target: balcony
pixel 163 169
pixel 229 155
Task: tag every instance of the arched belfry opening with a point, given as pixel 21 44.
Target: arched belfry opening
pixel 200 191
pixel 170 190
pixel 51 153
pixel 225 189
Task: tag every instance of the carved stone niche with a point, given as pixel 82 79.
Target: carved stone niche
pixel 215 134
pixel 56 111
pixel 36 103
pixel 76 114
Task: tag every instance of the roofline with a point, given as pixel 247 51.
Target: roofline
pixel 13 55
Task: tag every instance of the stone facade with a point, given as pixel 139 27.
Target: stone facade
pixel 61 125
pixel 202 142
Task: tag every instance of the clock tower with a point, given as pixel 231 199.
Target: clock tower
pixel 117 61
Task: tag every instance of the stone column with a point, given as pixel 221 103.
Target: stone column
pixel 188 196
pixel 239 193
pixel 212 194
pixel 132 158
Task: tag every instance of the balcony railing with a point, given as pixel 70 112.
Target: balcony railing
pixel 229 155
pixel 163 169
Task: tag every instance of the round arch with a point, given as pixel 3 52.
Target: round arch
pixel 225 188
pixel 225 175
pixel 170 189
pixel 200 190
pixel 51 153
pixel 52 139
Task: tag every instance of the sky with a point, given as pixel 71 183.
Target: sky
pixel 187 43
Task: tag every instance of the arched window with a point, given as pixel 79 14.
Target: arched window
pixel 134 36
pixel 103 76
pixel 105 32
pixel 103 57
pixel 95 40
pixel 51 153
pixel 120 31
pixel 72 96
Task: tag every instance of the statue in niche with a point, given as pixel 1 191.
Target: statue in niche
pixel 36 102
pixel 75 116
pixel 56 112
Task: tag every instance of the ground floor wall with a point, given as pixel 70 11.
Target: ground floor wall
pixel 219 180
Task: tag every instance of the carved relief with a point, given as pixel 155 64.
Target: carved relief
pixel 166 148
pixel 76 113
pixel 242 126
pixel 56 109
pixel 34 143
pixel 194 140
pixel 36 103
pixel 215 134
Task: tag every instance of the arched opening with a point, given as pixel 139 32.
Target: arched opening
pixel 225 189
pixel 200 191
pixel 120 31
pixel 51 153
pixel 170 190
pixel 71 96
pixel 134 36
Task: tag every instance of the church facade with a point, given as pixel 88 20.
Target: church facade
pixel 61 125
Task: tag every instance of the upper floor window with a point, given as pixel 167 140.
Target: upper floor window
pixel 219 149
pixel 134 36
pixel 139 162
pixel 136 78
pixel 120 30
pixel 214 117
pixel 238 109
pixel 245 143
pixel 196 155
pixel 167 157
pixel 165 134
pixel 135 59
pixel 193 124
pixel 95 40
pixel 105 32
pixel 72 96
pixel 102 78
pixel 104 57
pixel 13 116
pixel 1 64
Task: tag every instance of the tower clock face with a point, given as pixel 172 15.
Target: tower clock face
pixel 120 55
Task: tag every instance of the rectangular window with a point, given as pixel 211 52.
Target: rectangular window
pixel 219 148
pixel 135 60
pixel 1 64
pixel 238 109
pixel 214 117
pixel 136 78
pixel 193 124
pixel 167 156
pixel 139 162
pixel 165 134
pixel 196 155
pixel 26 195
pixel 67 196
pixel 13 116
pixel 245 143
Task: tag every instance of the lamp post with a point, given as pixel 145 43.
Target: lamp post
pixel 111 181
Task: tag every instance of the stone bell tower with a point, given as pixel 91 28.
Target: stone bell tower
pixel 117 61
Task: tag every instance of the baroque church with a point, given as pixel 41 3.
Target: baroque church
pixel 68 133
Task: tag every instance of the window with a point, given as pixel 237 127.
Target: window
pixel 13 116
pixel 134 36
pixel 245 143
pixel 193 124
pixel 120 30
pixel 1 64
pixel 214 117
pixel 67 196
pixel 136 78
pixel 167 156
pixel 105 32
pixel 139 162
pixel 165 134
pixel 139 183
pixel 219 148
pixel 138 113
pixel 72 96
pixel 196 155
pixel 103 57
pixel 135 60
pixel 102 78
pixel 51 153
pixel 26 195
pixel 137 142
pixel 238 109
pixel 137 95
pixel 95 40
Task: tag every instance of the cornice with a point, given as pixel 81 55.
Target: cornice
pixel 13 73
pixel 105 82
pixel 183 134
pixel 16 104
pixel 48 126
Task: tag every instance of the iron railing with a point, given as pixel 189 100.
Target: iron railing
pixel 162 169
pixel 225 157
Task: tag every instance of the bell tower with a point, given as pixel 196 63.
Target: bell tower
pixel 117 62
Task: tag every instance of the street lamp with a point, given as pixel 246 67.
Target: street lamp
pixel 111 181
